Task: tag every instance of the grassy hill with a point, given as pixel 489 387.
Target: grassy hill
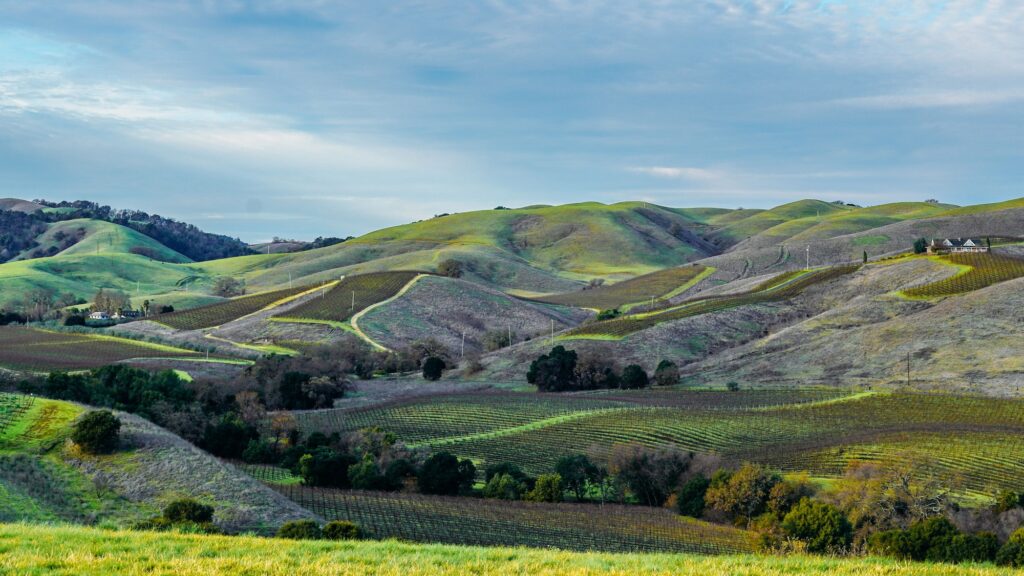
pixel 18 205
pixel 106 238
pixel 92 552
pixel 45 478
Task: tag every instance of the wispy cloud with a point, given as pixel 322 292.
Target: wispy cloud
pixel 936 99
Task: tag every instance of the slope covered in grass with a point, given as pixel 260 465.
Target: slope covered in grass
pixel 45 478
pixel 107 238
pixel 33 550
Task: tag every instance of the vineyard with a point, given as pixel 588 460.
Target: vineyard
pixel 43 350
pixel 473 521
pixel 656 285
pixel 12 406
pixel 977 271
pixel 350 296
pixel 817 431
pixel 224 312
pixel 778 288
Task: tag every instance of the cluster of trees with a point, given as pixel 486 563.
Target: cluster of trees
pixel 310 530
pixel 564 370
pixel 451 268
pixel 18 233
pixel 183 515
pixel 228 287
pixel 183 238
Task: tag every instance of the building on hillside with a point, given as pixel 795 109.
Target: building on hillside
pixel 99 316
pixel 126 315
pixel 956 246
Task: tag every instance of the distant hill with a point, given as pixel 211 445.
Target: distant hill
pixel 24 222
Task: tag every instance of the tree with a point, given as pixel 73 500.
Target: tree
pixel 920 246
pixel 577 472
pixel 342 530
pixel 98 432
pixel 553 372
pixel 733 386
pixel 651 475
pixel 822 526
pixel 594 371
pixel 366 476
pixel 865 256
pixel 745 494
pixel 450 268
pixel 446 475
pixel 228 287
pixel 110 301
pixel 690 499
pixel 666 374
pixel 548 489
pixel 229 436
pixel 633 378
pixel 433 368
pixel 188 510
pixel 300 530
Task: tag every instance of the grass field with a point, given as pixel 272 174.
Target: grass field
pixel 656 285
pixel 224 312
pixel 44 350
pixel 64 550
pixel 977 271
pixel 821 432
pixel 351 295
pixel 486 522
pixel 780 287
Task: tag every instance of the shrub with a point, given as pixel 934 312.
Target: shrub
pixel 504 487
pixel 634 377
pixel 188 510
pixel 325 467
pixel 733 386
pixel 342 530
pixel 74 320
pixel 445 474
pixel 1012 553
pixel 548 489
pixel 822 526
pixel 366 476
pixel 97 432
pixel 228 287
pixel 608 314
pixel 450 268
pixel 667 373
pixel 920 246
pixel 300 530
pixel 938 540
pixel 433 367
pixel 508 468
pixel 1008 500
pixel 690 499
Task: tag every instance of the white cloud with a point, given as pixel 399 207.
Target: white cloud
pixel 938 99
pixel 679 172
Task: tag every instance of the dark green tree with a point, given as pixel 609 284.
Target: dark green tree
pixel 342 530
pixel 325 467
pixel 300 530
pixel 445 474
pixel 555 371
pixel 920 246
pixel 666 374
pixel 433 368
pixel 188 510
pixel 690 499
pixel 577 471
pixel 98 432
pixel 633 378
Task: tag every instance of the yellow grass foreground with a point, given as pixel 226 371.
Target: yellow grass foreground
pixel 48 550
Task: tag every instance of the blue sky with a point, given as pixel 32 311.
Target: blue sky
pixel 300 119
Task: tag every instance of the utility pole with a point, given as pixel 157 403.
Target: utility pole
pixel 289 280
pixel 552 331
pixel 908 369
pixel 462 352
pixel 509 334
pixel 353 301
pixel 808 256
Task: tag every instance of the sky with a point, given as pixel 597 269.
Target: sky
pixel 299 119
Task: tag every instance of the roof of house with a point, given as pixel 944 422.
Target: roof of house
pixel 956 242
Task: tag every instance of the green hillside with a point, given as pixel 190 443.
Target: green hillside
pixel 45 478
pixel 107 238
pixel 758 222
pixel 57 550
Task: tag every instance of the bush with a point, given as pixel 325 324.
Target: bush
pixel 300 530
pixel 633 378
pixel 504 487
pixel 1008 500
pixel 97 432
pixel 446 475
pixel 1012 553
pixel 823 527
pixel 667 373
pixel 690 499
pixel 745 494
pixel 608 314
pixel 342 530
pixel 733 386
pixel 74 320
pixel 548 489
pixel 188 510
pixel 938 540
pixel 433 367
pixel 450 268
